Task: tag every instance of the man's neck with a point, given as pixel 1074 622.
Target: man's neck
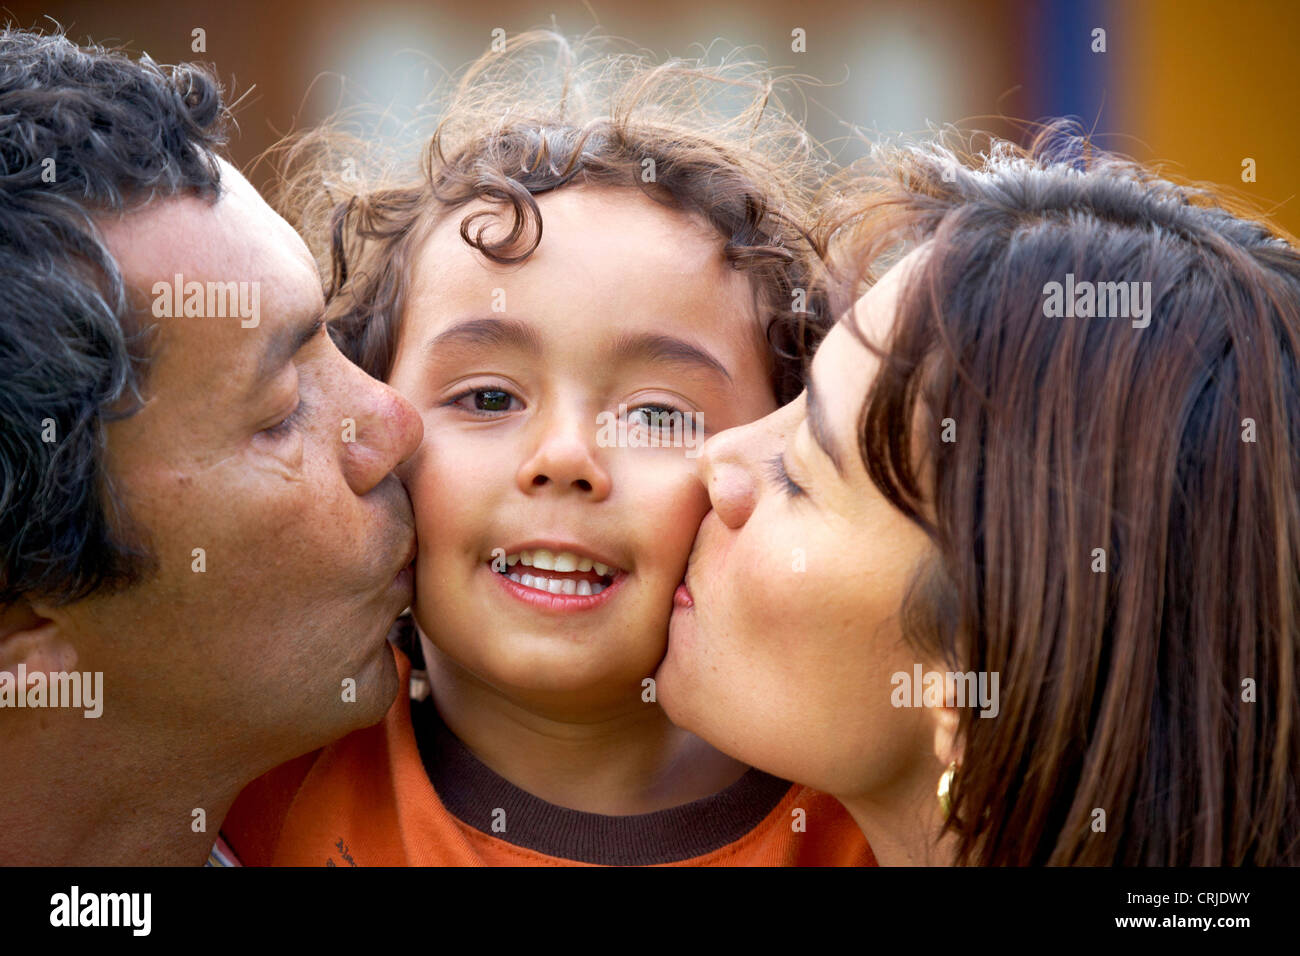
pixel 112 802
pixel 624 759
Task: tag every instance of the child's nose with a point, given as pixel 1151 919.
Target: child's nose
pixel 565 459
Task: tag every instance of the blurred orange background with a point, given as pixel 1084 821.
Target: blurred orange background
pixel 1197 86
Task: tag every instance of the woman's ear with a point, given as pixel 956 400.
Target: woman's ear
pixel 28 636
pixel 946 720
pixel 946 745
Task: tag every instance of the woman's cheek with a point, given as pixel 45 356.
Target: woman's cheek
pixel 783 609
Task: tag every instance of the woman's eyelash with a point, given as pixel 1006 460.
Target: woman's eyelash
pixel 778 474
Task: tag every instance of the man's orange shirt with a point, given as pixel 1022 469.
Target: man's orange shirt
pixel 368 800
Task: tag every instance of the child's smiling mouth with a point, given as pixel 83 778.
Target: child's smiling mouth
pixel 558 579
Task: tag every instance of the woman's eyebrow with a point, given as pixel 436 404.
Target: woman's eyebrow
pixel 666 350
pixel 817 424
pixel 487 333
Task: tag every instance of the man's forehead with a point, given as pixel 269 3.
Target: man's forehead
pixel 220 279
pixel 236 237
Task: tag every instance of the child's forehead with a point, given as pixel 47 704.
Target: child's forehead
pixel 596 281
pixel 600 213
pixel 597 243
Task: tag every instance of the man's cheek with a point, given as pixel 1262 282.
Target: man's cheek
pixel 267 526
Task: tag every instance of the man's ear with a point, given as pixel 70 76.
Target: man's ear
pixel 28 636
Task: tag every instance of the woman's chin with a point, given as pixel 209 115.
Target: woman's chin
pixel 672 678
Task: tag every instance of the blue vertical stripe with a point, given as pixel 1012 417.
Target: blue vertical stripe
pixel 1065 77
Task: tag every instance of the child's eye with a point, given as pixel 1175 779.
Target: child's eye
pixel 664 418
pixel 486 401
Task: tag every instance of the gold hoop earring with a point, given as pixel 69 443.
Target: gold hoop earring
pixel 945 790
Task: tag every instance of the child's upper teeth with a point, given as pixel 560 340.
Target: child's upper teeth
pixel 561 561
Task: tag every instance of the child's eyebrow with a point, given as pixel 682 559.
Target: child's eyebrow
pixel 628 347
pixel 666 349
pixel 490 333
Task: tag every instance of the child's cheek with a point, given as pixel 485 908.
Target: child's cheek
pixel 453 491
pixel 671 503
pixel 419 475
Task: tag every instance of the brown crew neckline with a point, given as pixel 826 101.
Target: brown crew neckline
pixel 472 792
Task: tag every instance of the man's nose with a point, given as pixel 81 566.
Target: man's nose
pixel 387 433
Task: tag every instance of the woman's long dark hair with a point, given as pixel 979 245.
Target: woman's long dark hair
pixel 1117 513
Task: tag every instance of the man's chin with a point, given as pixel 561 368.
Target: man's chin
pixel 384 683
pixel 366 699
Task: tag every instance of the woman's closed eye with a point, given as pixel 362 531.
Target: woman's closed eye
pixel 777 473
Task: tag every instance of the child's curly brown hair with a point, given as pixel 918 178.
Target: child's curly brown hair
pixel 710 140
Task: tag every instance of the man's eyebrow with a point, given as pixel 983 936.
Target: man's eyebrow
pixel 285 343
pixel 487 333
pixel 666 350
pixel 818 426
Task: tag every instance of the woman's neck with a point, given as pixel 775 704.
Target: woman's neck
pixel 902 823
pixel 621 757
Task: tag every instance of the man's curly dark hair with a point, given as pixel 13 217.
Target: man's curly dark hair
pixel 84 132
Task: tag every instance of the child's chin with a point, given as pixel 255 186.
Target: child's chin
pixel 543 664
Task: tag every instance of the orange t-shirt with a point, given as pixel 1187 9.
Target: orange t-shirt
pixel 368 800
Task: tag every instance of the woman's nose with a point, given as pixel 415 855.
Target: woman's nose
pixel 731 461
pixel 728 475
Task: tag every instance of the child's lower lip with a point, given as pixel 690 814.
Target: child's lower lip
pixel 558 603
